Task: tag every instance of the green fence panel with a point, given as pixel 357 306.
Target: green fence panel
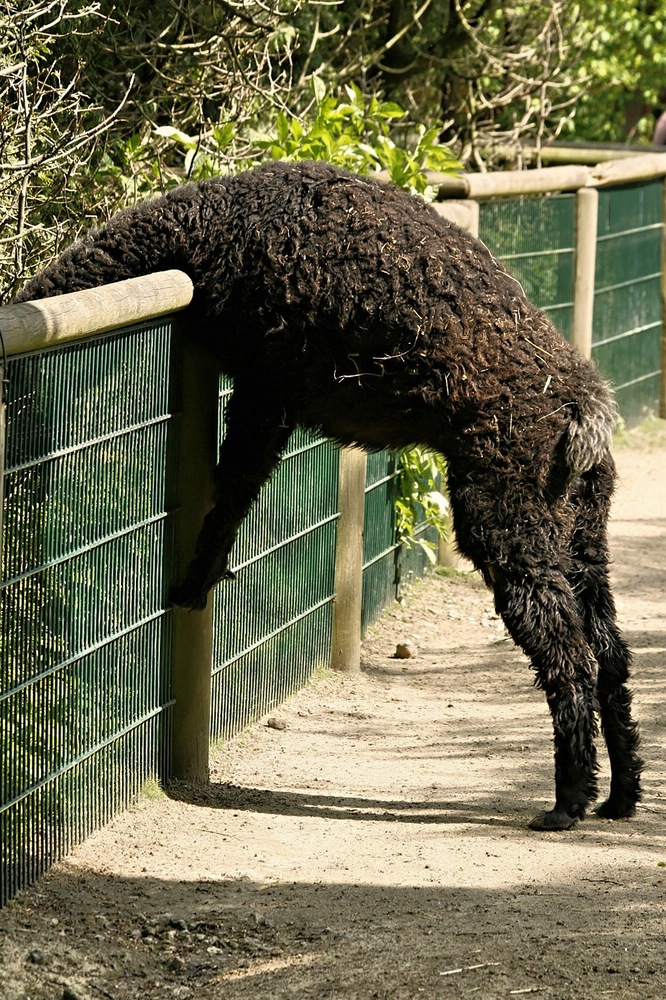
pixel 626 340
pixel 534 238
pixel 273 623
pixel 84 639
pixel 387 564
pixel 380 548
pixel 85 643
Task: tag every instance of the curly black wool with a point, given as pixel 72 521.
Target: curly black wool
pixel 340 304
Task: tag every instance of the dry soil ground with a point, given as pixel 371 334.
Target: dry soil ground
pixel 376 846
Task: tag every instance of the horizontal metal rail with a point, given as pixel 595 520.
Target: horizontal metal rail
pixel 284 543
pixel 98 543
pixel 635 231
pixel 641 279
pixel 81 654
pixel 88 444
pixel 637 381
pixel 271 635
pixel 627 333
pixel 91 752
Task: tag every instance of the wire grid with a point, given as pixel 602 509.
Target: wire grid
pixel 84 642
pixel 626 341
pixel 380 541
pixel 387 564
pixel 273 623
pixel 534 237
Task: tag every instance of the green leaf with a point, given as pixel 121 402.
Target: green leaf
pixel 224 134
pixel 390 110
pixel 282 127
pixel 318 89
pixel 169 132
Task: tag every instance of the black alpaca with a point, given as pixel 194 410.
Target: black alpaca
pixel 337 303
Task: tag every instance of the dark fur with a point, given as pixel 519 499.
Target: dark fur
pixel 340 304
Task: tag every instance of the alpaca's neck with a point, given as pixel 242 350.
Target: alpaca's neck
pixel 149 237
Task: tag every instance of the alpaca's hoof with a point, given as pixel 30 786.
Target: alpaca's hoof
pixel 190 600
pixel 193 597
pixel 554 819
pixel 616 809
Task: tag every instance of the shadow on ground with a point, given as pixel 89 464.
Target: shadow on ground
pixel 240 939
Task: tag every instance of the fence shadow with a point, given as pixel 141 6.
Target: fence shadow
pixel 482 812
pixel 123 937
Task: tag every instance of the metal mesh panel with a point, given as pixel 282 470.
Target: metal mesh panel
pixel 380 549
pixel 85 643
pixel 386 564
pixel 626 342
pixel 534 239
pixel 272 625
pixel 82 721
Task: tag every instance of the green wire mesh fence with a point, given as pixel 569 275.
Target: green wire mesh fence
pixel 84 665
pixel 626 340
pixel 387 564
pixel 87 562
pixel 534 237
pixel 273 623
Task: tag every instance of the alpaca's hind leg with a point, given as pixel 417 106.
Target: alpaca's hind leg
pixel 518 544
pixel 540 612
pixel 257 432
pixel 590 580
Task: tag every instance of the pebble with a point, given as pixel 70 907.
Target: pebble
pixel 176 964
pixel 276 723
pixel 405 650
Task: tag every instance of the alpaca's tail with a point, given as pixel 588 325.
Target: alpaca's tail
pixel 590 433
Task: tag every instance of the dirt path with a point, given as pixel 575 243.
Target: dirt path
pixel 376 847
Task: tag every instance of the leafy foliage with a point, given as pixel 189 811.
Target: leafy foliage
pixel 420 499
pixel 622 78
pixel 356 134
pixel 48 134
pixel 99 101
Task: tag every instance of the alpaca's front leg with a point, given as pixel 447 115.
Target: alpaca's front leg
pixel 256 434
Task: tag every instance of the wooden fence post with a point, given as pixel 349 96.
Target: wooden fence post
pixel 587 212
pixel 193 630
pixel 346 636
